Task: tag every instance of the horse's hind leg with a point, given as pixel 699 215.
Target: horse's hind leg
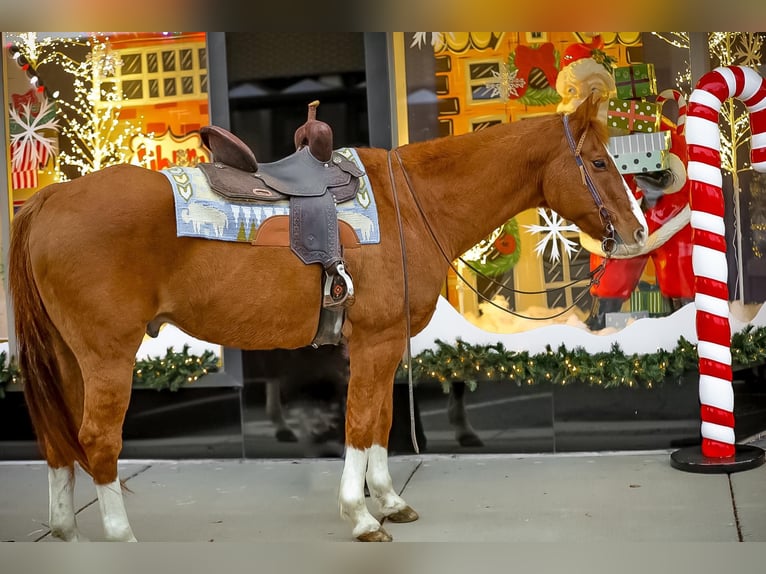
pixel 107 394
pixel 61 512
pixel 61 478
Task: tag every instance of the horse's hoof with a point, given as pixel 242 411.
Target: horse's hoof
pixel 406 514
pixel 379 535
pixel 286 435
pixel 469 439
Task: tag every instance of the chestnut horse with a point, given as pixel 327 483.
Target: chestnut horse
pixel 95 262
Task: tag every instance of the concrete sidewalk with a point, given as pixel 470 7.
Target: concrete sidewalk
pixel 586 497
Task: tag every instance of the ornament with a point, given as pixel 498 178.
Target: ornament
pixel 498 253
pixel 529 76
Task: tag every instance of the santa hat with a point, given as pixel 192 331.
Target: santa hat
pixel 585 68
pixel 593 50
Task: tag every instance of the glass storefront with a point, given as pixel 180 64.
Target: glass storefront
pixel 78 102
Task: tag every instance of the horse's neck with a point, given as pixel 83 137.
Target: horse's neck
pixel 471 184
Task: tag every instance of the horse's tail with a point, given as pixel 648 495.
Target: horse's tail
pixel 51 416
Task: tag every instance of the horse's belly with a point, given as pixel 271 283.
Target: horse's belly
pixel 250 298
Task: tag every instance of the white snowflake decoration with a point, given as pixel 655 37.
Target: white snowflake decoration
pixel 420 39
pixel 30 137
pixel 507 83
pixel 553 232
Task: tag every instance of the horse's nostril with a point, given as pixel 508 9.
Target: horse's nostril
pixel 640 236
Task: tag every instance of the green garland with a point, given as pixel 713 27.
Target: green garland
pixel 9 372
pixel 170 372
pixel 174 370
pixel 473 363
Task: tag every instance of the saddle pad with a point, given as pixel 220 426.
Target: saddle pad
pixel 200 212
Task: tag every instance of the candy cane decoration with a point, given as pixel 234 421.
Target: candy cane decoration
pixel 680 100
pixel 709 245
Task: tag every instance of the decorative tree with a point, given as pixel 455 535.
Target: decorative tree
pixel 735 49
pixel 679 40
pixel 95 135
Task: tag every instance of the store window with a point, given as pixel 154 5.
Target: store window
pixel 535 265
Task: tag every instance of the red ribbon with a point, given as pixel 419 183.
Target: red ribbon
pixel 633 115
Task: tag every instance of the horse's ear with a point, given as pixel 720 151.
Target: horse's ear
pixel 585 112
pixel 588 113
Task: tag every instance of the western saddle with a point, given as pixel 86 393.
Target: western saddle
pixel 314 179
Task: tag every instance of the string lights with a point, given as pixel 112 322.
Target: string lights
pixel 94 132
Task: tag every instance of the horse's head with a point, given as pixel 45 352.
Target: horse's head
pixel 583 183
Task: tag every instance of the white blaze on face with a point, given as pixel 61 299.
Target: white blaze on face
pixel 635 208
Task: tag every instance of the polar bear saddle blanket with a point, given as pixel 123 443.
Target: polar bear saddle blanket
pixel 201 212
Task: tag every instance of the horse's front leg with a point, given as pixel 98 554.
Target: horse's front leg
pixel 369 410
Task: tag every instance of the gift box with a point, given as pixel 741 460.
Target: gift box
pixel 634 115
pixel 639 152
pixel 650 300
pixel 635 81
pixel 641 162
pixel 638 142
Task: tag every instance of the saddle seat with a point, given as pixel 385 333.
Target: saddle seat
pixel 236 175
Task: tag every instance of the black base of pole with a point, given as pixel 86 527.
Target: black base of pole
pixel 691 459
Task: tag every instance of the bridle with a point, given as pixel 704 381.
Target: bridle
pixel 609 243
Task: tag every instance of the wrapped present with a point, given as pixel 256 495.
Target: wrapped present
pixel 650 300
pixel 643 162
pixel 27 158
pixel 634 115
pixel 639 152
pixel 635 81
pixel 638 142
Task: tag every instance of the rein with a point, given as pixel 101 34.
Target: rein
pixel 408 366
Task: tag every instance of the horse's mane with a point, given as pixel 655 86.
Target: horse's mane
pixel 524 132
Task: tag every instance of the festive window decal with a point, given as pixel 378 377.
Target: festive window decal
pixel 30 146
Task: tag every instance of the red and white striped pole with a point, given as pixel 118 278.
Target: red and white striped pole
pixel 709 244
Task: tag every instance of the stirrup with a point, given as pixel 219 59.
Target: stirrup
pixel 338 287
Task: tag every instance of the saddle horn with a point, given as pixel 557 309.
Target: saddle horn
pixel 315 134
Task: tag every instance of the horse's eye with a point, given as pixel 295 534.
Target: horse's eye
pixel 599 164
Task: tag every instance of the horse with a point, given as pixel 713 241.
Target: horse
pixel 95 263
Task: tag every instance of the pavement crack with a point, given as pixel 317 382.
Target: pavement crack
pixel 734 510
pixel 406 482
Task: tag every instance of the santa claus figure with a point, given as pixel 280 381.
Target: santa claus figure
pixel 664 196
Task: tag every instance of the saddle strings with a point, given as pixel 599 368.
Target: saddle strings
pixel 410 385
pixel 595 275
